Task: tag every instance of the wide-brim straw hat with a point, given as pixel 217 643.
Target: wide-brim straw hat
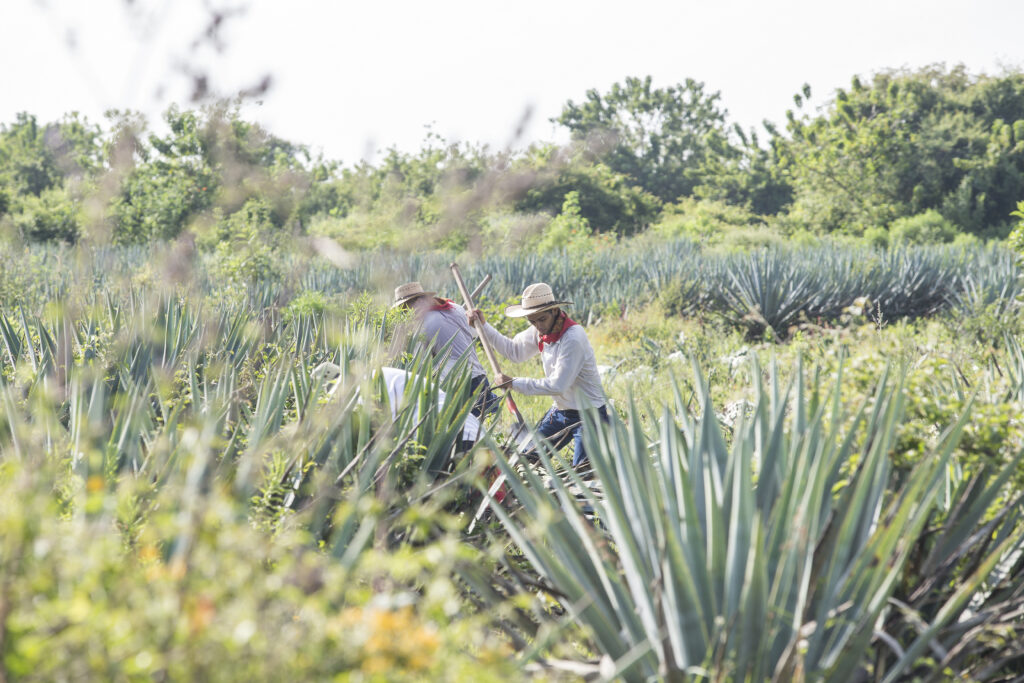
pixel 409 291
pixel 536 298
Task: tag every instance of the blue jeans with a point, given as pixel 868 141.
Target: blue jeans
pixel 569 427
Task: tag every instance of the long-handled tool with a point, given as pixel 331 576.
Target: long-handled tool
pixel 520 429
pixel 488 351
pixel 480 287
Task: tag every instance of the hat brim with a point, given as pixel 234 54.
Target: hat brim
pixel 517 311
pixel 409 298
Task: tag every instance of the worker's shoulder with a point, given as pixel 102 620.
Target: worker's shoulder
pixel 435 319
pixel 575 335
pixel 575 331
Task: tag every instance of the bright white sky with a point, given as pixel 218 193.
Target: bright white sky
pixel 351 78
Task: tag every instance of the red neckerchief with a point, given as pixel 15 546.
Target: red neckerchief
pixel 552 338
pixel 442 304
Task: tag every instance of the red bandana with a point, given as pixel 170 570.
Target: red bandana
pixel 442 304
pixel 552 338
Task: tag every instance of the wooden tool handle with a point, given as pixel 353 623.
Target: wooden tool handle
pixel 488 351
pixel 480 287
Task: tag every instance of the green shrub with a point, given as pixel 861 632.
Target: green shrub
pixel 712 222
pixel 611 202
pixel 253 220
pixel 306 303
pixel 929 227
pixel 966 240
pixel 362 229
pixel 86 602
pixel 52 215
pixel 504 230
pixel 682 296
pixel 244 263
pixel 1016 237
pixel 569 230
pixel 243 244
pixel 877 237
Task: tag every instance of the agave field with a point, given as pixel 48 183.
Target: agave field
pixel 812 472
pixel 764 289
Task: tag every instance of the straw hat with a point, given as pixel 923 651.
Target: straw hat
pixel 409 291
pixel 536 298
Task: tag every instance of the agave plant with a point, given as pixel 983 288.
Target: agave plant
pixel 993 280
pixel 914 282
pixel 768 291
pixel 777 558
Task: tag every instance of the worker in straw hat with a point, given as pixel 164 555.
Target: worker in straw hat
pixel 570 369
pixel 444 327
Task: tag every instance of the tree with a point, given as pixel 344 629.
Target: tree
pixel 907 142
pixel 607 200
pixel 42 169
pixel 50 215
pixel 660 137
pixel 170 181
pixel 747 174
pixel 209 158
pixel 34 158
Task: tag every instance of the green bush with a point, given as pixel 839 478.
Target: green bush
pixel 504 230
pixel 244 263
pixel 308 303
pixel 206 596
pixel 611 202
pixel 711 222
pixel 253 220
pixel 569 230
pixel 929 227
pixel 877 237
pixel 1016 237
pixel 51 216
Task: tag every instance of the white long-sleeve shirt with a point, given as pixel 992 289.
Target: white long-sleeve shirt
pixel 441 327
pixel 570 368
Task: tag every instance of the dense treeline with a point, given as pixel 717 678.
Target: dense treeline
pixel 909 156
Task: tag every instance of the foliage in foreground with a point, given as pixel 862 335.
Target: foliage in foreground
pixel 184 498
pixel 199 593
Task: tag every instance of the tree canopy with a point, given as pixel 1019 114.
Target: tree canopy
pixel 660 137
pixel 937 145
pixel 908 142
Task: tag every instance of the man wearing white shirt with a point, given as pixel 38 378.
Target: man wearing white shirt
pixel 570 368
pixel 443 325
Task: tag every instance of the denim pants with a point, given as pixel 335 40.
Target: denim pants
pixel 569 427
